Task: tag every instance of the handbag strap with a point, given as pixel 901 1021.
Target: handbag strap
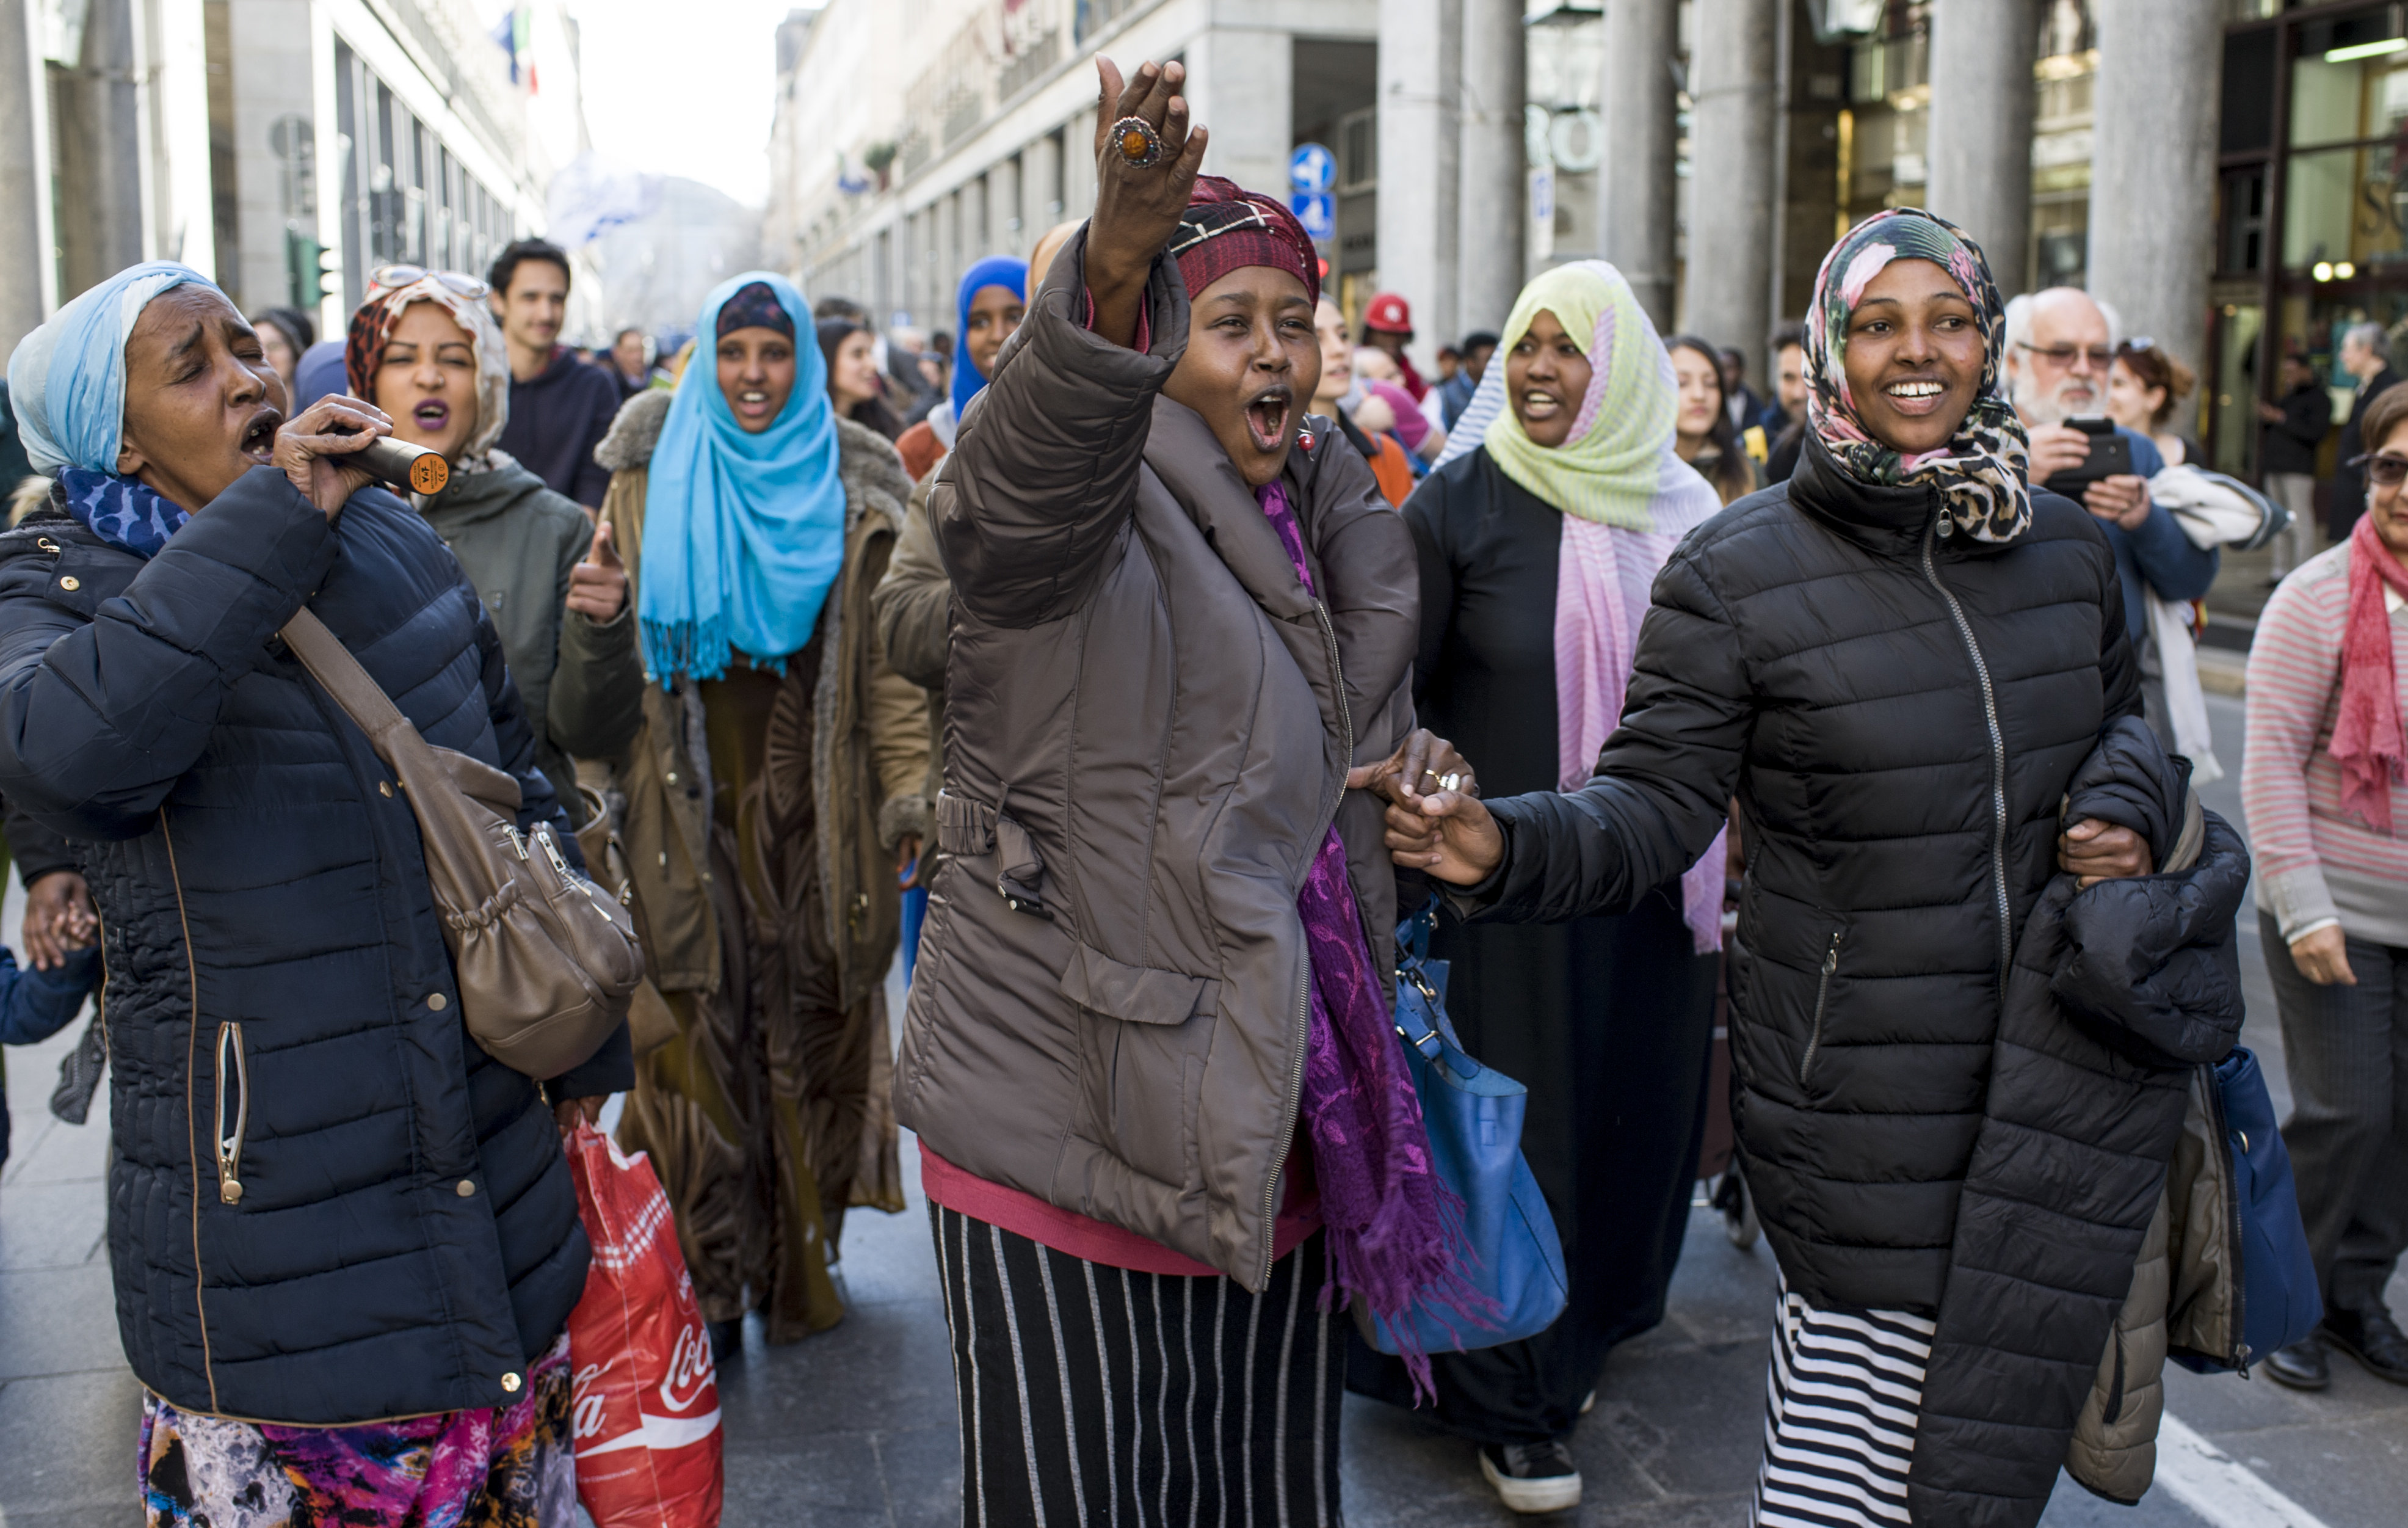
pixel 332 665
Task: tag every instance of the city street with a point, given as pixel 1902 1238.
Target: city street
pixel 857 1427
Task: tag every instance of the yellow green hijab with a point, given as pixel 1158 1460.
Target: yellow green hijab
pixel 1619 455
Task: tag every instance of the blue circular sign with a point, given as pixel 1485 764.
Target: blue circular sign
pixel 1318 211
pixel 1311 167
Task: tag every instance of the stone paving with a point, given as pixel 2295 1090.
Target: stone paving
pixel 855 1427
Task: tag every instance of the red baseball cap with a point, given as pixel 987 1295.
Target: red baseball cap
pixel 1389 314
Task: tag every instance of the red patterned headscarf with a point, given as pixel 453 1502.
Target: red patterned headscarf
pixel 1225 228
pixel 372 329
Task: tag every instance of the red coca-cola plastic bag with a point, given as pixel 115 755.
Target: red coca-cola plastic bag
pixel 647 1439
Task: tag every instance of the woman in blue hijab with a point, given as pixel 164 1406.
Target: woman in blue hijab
pixel 993 296
pixel 772 737
pixel 344 1238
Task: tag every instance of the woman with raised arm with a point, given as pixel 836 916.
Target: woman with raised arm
pixel 1149 1052
pixel 1900 662
pixel 345 1239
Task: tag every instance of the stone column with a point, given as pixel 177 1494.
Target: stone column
pixel 105 224
pixel 1979 151
pixel 2153 168
pixel 1635 180
pixel 1727 295
pixel 29 278
pixel 1240 85
pixel 1420 84
pixel 1494 172
pixel 1007 224
pixel 1045 193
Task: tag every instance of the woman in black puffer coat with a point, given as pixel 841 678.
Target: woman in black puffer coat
pixel 328 1208
pixel 1895 661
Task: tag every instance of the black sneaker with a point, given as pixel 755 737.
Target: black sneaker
pixel 1532 1476
pixel 2301 1366
pixel 2372 1338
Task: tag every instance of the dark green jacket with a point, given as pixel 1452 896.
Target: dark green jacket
pixel 519 542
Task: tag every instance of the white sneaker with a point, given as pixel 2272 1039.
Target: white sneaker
pixel 1531 1476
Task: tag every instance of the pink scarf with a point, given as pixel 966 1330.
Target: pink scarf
pixel 1602 583
pixel 2367 740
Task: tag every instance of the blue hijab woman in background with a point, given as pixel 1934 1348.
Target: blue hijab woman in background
pixel 992 297
pixel 772 734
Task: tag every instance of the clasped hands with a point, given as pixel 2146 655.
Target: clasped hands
pixel 1450 833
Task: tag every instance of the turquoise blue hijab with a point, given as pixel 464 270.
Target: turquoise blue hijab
pixel 996 271
pixel 743 534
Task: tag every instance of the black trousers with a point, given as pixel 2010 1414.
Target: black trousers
pixel 1091 1394
pixel 2345 1049
pixel 1609 1022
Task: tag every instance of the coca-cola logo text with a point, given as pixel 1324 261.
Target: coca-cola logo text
pixel 690 1370
pixel 591 1407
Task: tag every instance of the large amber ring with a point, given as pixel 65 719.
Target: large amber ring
pixel 1138 144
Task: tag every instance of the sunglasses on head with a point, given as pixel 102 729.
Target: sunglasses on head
pixel 388 278
pixel 2382 467
pixel 2135 345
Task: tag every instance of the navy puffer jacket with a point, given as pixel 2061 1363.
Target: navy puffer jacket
pixel 326 1203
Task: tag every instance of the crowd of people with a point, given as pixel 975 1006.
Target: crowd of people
pixel 1132 659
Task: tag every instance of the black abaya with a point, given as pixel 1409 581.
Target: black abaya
pixel 1607 1021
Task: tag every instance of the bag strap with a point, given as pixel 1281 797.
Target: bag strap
pixel 332 665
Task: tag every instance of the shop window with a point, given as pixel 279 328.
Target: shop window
pixel 2341 211
pixel 2347 81
pixel 2240 221
pixel 2246 119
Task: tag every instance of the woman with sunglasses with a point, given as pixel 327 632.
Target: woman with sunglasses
pixel 344 1238
pixel 424 349
pixel 2323 785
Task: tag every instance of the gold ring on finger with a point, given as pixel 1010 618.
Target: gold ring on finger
pixel 1136 141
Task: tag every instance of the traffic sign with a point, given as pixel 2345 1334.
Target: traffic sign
pixel 1318 211
pixel 1311 167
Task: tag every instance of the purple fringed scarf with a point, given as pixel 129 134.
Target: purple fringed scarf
pixel 1395 1228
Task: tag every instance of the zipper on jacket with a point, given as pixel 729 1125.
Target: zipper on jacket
pixel 1302 1036
pixel 231 1127
pixel 1997 764
pixel 1822 1003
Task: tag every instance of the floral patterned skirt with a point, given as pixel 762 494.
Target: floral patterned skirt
pixel 512 1467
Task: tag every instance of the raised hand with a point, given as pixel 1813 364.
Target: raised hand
pixel 597 588
pixel 1136 207
pixel 311 449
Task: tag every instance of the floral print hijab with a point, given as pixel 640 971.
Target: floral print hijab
pixel 1980 473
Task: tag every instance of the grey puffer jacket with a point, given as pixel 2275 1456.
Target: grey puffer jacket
pixel 1148 721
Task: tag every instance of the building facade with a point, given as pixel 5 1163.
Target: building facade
pixel 285 148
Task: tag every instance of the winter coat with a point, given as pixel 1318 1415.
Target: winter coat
pixel 557 420
pixel 1900 714
pixel 519 543
pixel 2119 993
pixel 870 735
pixel 1149 723
pixel 913 607
pixel 326 1203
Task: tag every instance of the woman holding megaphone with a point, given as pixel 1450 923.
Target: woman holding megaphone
pixel 425 351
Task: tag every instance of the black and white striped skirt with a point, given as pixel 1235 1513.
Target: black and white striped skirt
pixel 1092 1394
pixel 1841 1402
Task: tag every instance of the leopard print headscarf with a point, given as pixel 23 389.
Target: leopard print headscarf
pixel 1980 473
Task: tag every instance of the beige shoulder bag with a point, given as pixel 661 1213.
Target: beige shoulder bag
pixel 546 968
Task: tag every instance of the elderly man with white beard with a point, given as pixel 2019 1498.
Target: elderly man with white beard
pixel 2061 344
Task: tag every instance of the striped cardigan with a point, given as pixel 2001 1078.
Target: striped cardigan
pixel 2316 867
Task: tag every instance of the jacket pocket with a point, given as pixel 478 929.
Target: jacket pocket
pixel 233 1074
pixel 1142 1061
pixel 1822 1007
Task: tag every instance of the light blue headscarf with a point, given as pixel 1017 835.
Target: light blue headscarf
pixel 743 534
pixel 996 270
pixel 66 380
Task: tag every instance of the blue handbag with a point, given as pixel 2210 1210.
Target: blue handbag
pixel 2279 1300
pixel 1474 1116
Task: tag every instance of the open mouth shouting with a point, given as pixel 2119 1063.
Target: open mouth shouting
pixel 1914 397
pixel 752 403
pixel 1266 417
pixel 259 437
pixel 433 415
